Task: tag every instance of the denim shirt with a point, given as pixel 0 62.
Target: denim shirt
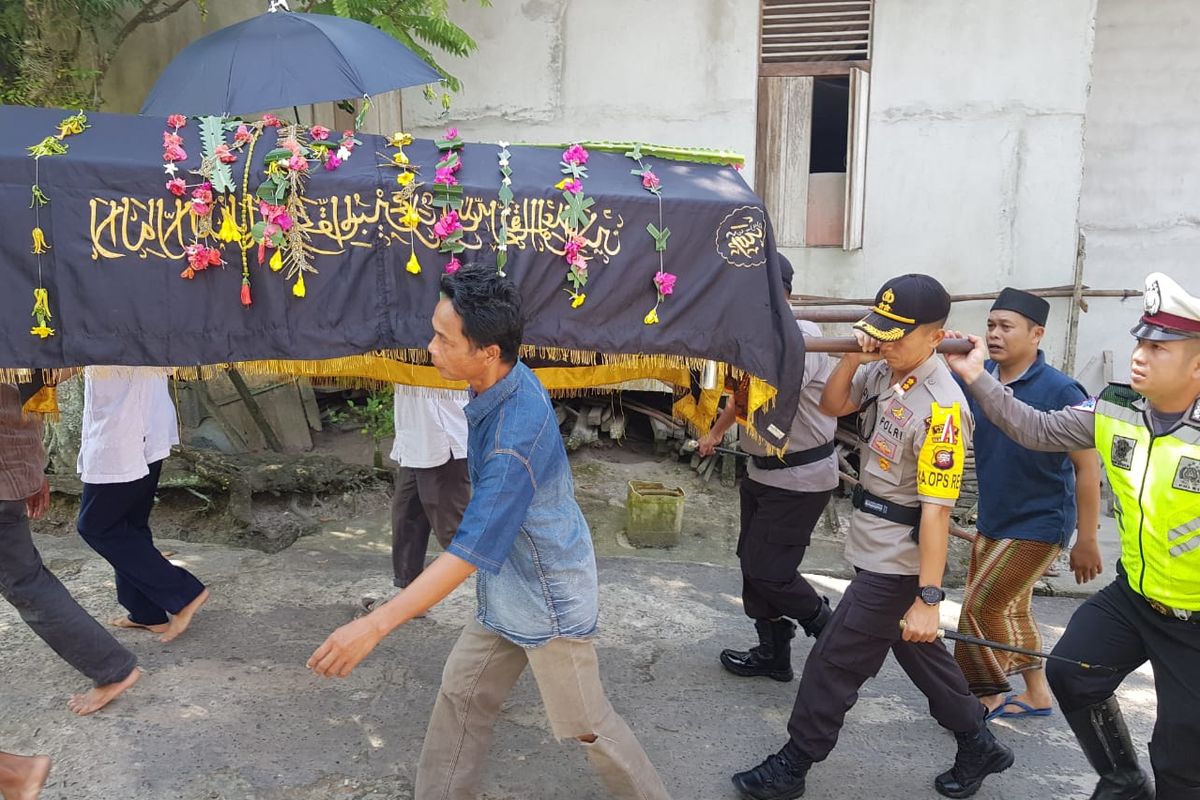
pixel 523 529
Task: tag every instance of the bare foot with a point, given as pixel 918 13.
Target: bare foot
pixel 22 777
pixel 95 699
pixel 128 624
pixel 180 622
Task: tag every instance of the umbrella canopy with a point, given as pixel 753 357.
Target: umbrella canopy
pixel 281 59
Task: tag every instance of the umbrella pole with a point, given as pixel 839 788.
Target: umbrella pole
pixel 296 112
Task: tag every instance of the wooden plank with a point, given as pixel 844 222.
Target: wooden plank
pixel 782 156
pixel 810 68
pixel 856 159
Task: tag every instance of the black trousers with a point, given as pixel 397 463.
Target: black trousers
pixel 852 648
pixel 776 530
pixel 50 610
pixel 425 499
pixel 114 519
pixel 1117 628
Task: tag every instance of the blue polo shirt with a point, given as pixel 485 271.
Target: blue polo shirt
pixel 1025 494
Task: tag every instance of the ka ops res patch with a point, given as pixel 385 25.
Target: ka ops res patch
pixel 940 464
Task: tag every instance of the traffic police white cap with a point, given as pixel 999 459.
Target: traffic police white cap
pixel 1169 312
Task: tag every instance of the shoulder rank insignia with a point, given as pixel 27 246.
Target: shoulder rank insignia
pixel 1086 404
pixel 909 382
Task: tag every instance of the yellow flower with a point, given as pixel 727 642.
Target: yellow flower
pixel 577 300
pixel 404 178
pixel 400 139
pixel 652 317
pixel 298 286
pixel 411 218
pixel 229 230
pixel 562 184
pixel 39 242
pixel 400 159
pixel 413 265
pixel 276 262
pixel 41 331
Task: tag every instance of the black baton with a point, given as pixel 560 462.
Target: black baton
pixel 944 633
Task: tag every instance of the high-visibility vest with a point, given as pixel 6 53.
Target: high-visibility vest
pixel 1156 484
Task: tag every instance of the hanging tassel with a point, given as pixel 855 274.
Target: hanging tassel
pixel 229 231
pixel 39 242
pixel 39 197
pixel 246 292
pixel 413 265
pixel 298 286
pixel 276 263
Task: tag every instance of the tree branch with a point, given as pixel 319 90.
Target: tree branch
pixel 149 13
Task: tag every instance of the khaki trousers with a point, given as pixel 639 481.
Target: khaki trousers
pixel 480 672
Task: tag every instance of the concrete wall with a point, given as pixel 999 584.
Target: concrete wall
pixel 974 154
pixel 1141 187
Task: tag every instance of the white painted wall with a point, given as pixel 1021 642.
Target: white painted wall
pixel 1141 188
pixel 974 154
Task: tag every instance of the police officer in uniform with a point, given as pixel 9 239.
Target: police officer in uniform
pixel 1148 435
pixel 914 426
pixel 782 499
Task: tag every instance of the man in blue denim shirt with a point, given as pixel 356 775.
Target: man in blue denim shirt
pixel 524 533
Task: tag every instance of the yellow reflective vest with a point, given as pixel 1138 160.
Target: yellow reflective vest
pixel 1156 484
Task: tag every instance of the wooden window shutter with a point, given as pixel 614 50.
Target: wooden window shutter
pixel 856 159
pixel 808 31
pixel 782 154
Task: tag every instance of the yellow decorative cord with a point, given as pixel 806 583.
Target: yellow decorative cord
pixel 39 242
pixel 248 205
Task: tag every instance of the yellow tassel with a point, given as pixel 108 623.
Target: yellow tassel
pixel 400 159
pixel 577 300
pixel 41 312
pixel 413 265
pixel 298 286
pixel 652 317
pixel 229 231
pixel 39 242
pixel 400 139
pixel 412 217
pixel 276 262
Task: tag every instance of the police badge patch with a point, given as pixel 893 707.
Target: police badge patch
pixel 1187 475
pixel 1121 454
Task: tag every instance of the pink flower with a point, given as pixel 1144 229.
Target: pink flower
pixel 271 121
pixel 451 134
pixel 292 146
pixel 319 132
pixel 176 121
pixel 269 230
pixel 223 153
pixel 174 153
pixel 575 154
pixel 572 248
pixel 574 186
pixel 347 134
pixel 171 139
pixel 447 226
pixel 445 175
pixel 332 163
pixel 579 263
pixel 177 187
pixel 665 282
pixel 242 135
pixel 284 221
pixel 650 181
pixel 453 265
pixel 297 164
pixel 203 193
pixel 200 209
pixel 269 211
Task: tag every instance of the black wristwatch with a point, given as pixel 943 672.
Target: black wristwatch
pixel 931 595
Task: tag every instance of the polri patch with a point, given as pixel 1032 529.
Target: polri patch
pixel 1121 452
pixel 1187 475
pixel 899 412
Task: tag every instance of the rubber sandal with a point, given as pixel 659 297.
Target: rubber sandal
pixel 1026 709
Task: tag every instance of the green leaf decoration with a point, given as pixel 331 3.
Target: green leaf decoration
pixel 505 194
pixel 278 154
pixel 635 153
pixel 660 237
pixel 212 134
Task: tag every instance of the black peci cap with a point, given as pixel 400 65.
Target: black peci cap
pixel 1030 306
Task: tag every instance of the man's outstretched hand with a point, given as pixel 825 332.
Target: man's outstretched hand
pixel 345 648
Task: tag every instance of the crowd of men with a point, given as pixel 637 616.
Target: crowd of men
pixel 487 473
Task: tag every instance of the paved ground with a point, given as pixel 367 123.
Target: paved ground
pixel 229 713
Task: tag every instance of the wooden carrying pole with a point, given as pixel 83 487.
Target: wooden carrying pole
pixel 848 344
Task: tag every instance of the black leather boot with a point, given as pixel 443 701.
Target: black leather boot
pixel 780 777
pixel 772 658
pixel 817 622
pixel 979 755
pixel 1102 734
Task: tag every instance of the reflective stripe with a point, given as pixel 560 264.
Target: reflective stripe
pixel 1183 530
pixel 1110 409
pixel 1190 544
pixel 1187 434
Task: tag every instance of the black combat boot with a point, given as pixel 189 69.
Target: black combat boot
pixel 979 755
pixel 772 657
pixel 780 777
pixel 1102 734
pixel 817 622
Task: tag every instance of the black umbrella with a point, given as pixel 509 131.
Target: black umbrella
pixel 281 59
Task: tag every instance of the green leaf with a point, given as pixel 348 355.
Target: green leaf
pixel 660 237
pixel 505 194
pixel 212 134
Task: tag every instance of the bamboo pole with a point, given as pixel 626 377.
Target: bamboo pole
pixel 848 344
pixel 1052 291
